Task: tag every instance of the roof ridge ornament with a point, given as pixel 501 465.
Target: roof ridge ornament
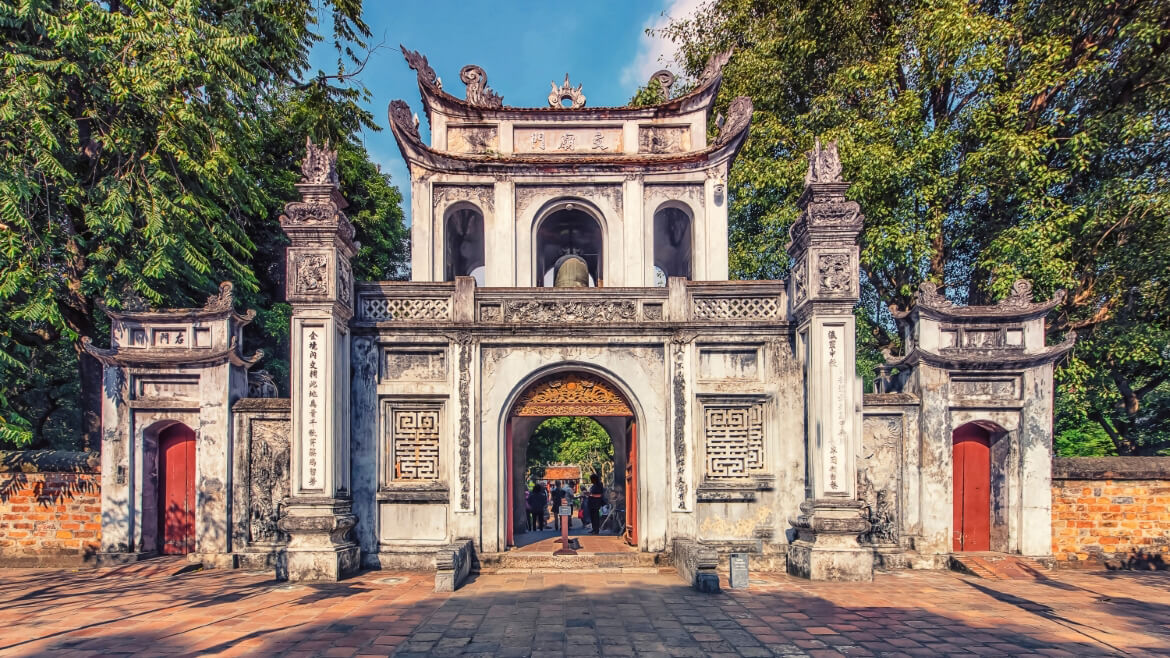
pixel 478 93
pixel 824 164
pixel 566 92
pixel 715 64
pixel 418 62
pixel 664 79
pixel 739 115
pixel 400 116
pixel 1019 300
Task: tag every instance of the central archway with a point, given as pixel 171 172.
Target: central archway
pixel 573 393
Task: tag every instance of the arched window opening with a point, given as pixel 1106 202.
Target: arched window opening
pixel 672 244
pixel 465 245
pixel 568 232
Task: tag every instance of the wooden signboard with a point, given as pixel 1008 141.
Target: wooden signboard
pixel 562 473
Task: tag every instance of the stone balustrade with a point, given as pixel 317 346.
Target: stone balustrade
pixel 462 303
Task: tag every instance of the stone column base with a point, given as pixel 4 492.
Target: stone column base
pixel 319 545
pixel 827 546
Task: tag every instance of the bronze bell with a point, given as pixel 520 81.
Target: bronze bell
pixel 571 272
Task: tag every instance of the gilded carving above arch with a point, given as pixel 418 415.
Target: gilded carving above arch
pixel 571 394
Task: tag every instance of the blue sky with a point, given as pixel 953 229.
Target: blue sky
pixel 522 44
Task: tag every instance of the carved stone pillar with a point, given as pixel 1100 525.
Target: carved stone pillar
pixel 319 285
pixel 824 288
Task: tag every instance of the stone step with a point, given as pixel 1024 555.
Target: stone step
pixel 997 566
pixel 521 561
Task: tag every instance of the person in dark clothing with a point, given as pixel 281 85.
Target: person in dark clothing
pixel 558 499
pixel 537 502
pixel 595 500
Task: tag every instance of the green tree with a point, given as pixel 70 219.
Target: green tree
pixel 987 141
pixel 146 147
pixel 574 440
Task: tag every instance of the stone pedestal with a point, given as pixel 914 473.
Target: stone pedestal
pixel 827 545
pixel 320 544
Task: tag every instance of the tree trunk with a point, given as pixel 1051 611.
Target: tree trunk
pixel 91 401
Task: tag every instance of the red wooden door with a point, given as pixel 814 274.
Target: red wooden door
pixel 511 496
pixel 176 490
pixel 972 522
pixel 632 486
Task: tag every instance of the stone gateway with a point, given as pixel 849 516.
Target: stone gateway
pixel 573 261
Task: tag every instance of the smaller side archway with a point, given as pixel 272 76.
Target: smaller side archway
pixel 168 519
pixel 673 223
pixel 979 487
pixel 464 243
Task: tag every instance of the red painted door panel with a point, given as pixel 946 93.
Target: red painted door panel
pixel 632 487
pixel 176 490
pixel 972 490
pixel 508 532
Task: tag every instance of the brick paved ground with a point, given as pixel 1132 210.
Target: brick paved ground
pixel 152 609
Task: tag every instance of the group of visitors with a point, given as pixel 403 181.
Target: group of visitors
pixel 539 501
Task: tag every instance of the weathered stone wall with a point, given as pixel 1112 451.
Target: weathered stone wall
pixel 1112 511
pixel 50 507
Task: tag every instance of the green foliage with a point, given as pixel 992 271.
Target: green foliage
pixel 573 440
pixel 986 142
pixel 147 147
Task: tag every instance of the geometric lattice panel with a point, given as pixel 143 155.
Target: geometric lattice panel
pixel 736 308
pixel 380 309
pixel 415 444
pixel 734 440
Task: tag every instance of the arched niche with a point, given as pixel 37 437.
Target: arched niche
pixel 464 243
pixel 569 228
pixel 672 241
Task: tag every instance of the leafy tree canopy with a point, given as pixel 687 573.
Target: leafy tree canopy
pixel 575 440
pixel 146 147
pixel 987 141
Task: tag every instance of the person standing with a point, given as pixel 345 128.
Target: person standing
pixel 558 499
pixel 537 503
pixel 596 498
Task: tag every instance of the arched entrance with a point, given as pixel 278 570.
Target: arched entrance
pixel 569 230
pixel 573 394
pixel 972 488
pixel 176 490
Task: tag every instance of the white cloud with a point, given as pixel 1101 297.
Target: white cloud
pixel 655 51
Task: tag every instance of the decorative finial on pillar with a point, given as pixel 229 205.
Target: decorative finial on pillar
pixel 566 92
pixel 824 165
pixel 320 164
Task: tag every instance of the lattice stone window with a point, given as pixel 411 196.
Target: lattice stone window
pixel 733 433
pixel 736 308
pixel 414 443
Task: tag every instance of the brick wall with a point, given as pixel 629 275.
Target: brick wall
pixel 1111 511
pixel 50 507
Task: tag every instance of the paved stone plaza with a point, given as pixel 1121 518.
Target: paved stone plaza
pixel 156 608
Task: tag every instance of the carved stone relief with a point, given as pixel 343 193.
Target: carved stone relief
pixel 526 195
pixel 833 274
pixel 664 139
pixel 800 281
pixel 423 365
pixel 733 438
pixel 261 384
pixel 482 195
pixel 466 346
pixel 665 81
pixel 691 193
pixel 824 165
pixel 534 311
pixel 311 274
pixel 268 478
pixel 473 139
pixel 878 479
pixel 344 282
pixel 320 164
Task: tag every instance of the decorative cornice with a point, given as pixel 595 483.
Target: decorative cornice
pixel 967 359
pixel 1018 305
pixel 170 357
pixel 219 306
